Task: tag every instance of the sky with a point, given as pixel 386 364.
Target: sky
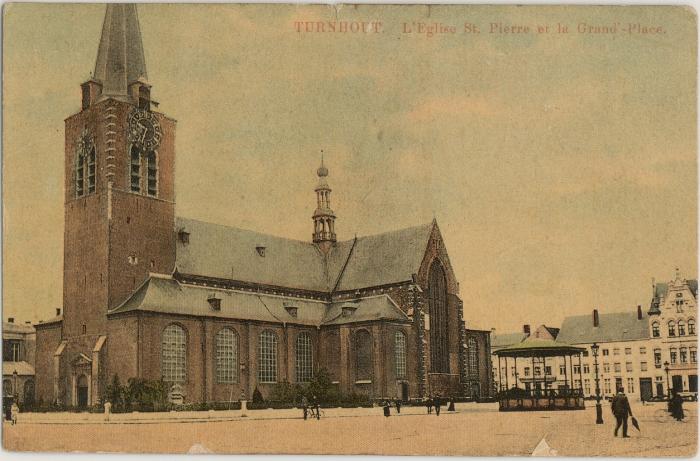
pixel 561 168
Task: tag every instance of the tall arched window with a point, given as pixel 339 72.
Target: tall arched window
pixel 80 175
pixel 226 356
pixel 152 171
pixel 363 355
pixel 671 328
pixel 473 357
pixel 304 358
pixel 91 169
pixel 267 357
pixel 173 354
pixel 439 342
pixel 655 329
pixel 691 326
pixel 681 328
pixel 400 354
pixel 135 169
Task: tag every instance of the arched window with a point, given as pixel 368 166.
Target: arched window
pixel 80 175
pixel 91 170
pixel 363 355
pixel 6 388
pixel 473 356
pixel 152 171
pixel 655 329
pixel 681 328
pixel 439 341
pixel 173 354
pixel 28 392
pixel 691 326
pixel 671 328
pixel 226 356
pixel 400 354
pixel 135 169
pixel 304 356
pixel 267 357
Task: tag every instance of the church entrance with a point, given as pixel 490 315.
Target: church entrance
pixel 404 391
pixel 82 391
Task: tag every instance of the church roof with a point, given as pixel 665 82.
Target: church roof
pixel 230 253
pixel 164 294
pixel 120 57
pixel 613 327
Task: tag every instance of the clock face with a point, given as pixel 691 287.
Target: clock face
pixel 144 129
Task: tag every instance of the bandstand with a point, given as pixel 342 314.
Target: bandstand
pixel 539 392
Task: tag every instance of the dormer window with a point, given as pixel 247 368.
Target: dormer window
pixel 183 236
pixel 292 310
pixel 214 302
pixel 348 310
pixel 261 250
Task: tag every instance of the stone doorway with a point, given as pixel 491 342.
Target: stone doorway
pixel 82 391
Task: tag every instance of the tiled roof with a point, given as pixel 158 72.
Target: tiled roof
pixel 619 326
pixel 229 253
pixel 22 368
pixel 164 294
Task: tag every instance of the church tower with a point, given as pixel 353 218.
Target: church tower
pixel 324 218
pixel 119 182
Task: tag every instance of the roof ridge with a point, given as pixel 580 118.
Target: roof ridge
pixel 227 226
pixel 401 229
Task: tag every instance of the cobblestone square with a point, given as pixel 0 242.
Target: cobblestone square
pixel 475 430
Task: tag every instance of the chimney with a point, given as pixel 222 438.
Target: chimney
pixel 11 320
pixel 596 320
pixel 58 311
pixel 526 329
pixel 639 312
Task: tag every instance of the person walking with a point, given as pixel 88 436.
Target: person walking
pixel 429 404
pixel 305 406
pixel 387 408
pixel 620 406
pixel 397 402
pixel 451 406
pixel 437 402
pixel 317 407
pixel 676 406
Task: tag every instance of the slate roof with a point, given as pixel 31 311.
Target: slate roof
pixel 230 253
pixel 17 328
pixel 163 294
pixel 507 339
pixel 613 327
pixel 120 58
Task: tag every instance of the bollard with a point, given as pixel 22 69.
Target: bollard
pixel 244 407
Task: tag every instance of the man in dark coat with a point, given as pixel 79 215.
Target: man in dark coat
pixel 429 404
pixel 677 406
pixel 621 409
pixel 397 402
pixel 437 402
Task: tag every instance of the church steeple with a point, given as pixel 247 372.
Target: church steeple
pixel 120 68
pixel 324 218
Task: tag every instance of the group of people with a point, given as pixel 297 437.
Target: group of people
pixel 435 402
pixel 386 404
pixel 621 409
pixel 11 412
pixel 314 409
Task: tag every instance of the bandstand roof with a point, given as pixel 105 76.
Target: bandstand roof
pixel 533 347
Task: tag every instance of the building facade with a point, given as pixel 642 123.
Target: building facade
pixel 672 315
pixel 218 311
pixel 18 353
pixel 478 366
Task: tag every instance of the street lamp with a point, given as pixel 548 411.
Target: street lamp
pixel 598 407
pixel 668 385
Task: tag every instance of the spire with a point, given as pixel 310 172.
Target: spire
pixel 120 59
pixel 324 218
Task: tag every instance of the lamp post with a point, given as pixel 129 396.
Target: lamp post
pixel 15 392
pixel 598 407
pixel 668 385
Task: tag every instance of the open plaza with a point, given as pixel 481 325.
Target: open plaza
pixel 474 429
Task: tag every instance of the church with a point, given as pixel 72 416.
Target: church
pixel 221 311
